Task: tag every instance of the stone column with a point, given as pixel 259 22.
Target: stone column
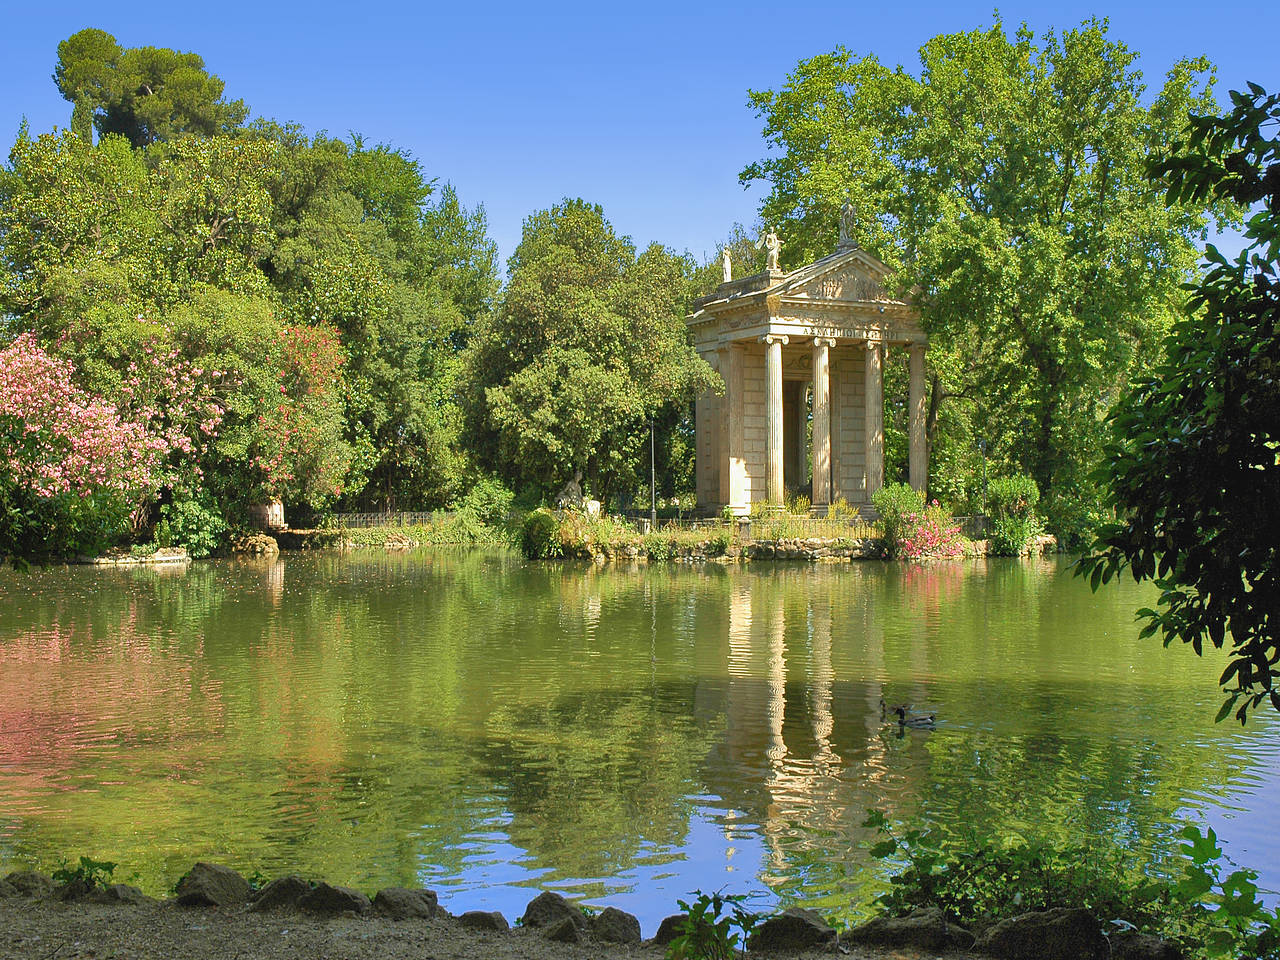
pixel 918 456
pixel 775 489
pixel 801 424
pixel 874 420
pixel 733 470
pixel 822 420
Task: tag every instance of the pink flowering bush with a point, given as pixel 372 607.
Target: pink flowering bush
pixel 930 533
pixel 57 439
pixel 74 467
pixel 913 529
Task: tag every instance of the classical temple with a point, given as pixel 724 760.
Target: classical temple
pixel 802 357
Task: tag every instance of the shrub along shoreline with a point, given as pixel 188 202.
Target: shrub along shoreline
pixel 907 527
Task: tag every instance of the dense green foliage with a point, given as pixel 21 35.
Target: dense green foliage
pixel 195 524
pixel 1209 912
pixel 1193 464
pixel 587 345
pixel 1011 504
pixel 1006 183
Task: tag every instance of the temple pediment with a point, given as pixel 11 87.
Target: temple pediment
pixel 850 280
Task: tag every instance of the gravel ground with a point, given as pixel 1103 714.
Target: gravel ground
pixel 51 930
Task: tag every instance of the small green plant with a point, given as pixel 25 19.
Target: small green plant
pixel 87 875
pixel 659 546
pixel 799 505
pixel 141 551
pixel 707 932
pixel 1012 503
pixel 718 543
pixel 839 509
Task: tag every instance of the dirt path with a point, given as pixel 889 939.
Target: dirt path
pixel 51 930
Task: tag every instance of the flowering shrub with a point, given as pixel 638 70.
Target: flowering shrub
pixel 930 533
pixel 56 439
pixel 301 452
pixel 75 467
pixel 913 529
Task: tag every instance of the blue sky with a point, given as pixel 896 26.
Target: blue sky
pixel 640 108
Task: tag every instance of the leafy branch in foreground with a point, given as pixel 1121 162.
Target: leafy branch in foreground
pixel 1194 464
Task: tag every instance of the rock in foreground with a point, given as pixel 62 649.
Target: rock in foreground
pixel 212 885
pixel 793 929
pixel 549 909
pixel 1063 933
pixel 925 928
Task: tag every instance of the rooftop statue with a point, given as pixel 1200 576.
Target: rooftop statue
pixel 774 247
pixel 848 223
pixel 727 264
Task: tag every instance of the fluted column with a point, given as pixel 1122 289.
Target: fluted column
pixel 874 420
pixel 775 489
pixel 733 471
pixel 822 420
pixel 918 453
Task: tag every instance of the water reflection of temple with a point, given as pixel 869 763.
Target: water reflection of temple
pixel 805 746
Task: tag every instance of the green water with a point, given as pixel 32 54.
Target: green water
pixel 486 727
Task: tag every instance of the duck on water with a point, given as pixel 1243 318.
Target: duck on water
pixel 918 721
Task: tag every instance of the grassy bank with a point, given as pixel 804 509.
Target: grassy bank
pixel 449 529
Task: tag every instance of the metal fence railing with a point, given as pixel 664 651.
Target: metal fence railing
pixel 403 518
pixel 977 527
pixel 792 527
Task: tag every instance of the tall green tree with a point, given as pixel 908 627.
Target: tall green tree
pixel 145 94
pixel 587 344
pixel 1006 183
pixel 361 244
pixel 1193 467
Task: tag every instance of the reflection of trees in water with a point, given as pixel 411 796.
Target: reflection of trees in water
pixel 363 716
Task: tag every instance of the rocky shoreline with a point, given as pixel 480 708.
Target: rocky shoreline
pixel 712 550
pixel 215 913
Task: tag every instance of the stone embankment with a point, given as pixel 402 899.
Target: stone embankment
pixel 216 913
pixel 806 550
pixel 163 556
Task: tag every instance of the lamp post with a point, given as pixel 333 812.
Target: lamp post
pixel 653 482
pixel 982 446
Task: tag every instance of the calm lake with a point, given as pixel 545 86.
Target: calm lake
pixel 487 727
